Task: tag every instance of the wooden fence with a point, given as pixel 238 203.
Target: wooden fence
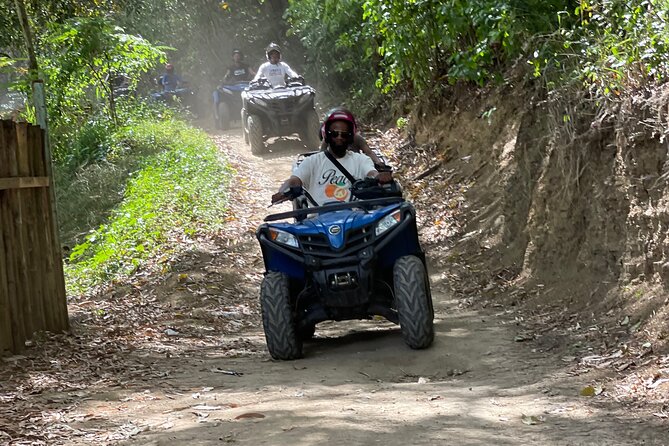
pixel 32 287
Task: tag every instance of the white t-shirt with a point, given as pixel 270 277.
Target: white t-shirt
pixel 275 73
pixel 325 182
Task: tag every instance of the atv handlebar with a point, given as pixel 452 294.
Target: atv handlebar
pixel 289 193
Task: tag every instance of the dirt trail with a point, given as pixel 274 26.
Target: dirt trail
pixel 196 372
pixel 359 384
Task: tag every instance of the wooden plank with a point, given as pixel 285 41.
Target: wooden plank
pixel 4 153
pixel 10 147
pixel 46 282
pixel 56 308
pixel 23 182
pixel 6 338
pixel 59 300
pixel 16 202
pixel 31 249
pixel 9 238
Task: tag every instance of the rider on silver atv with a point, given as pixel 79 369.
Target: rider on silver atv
pixel 274 70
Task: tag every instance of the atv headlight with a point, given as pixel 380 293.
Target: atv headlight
pixel 388 222
pixel 283 237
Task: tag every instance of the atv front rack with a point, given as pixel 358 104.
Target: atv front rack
pixel 359 204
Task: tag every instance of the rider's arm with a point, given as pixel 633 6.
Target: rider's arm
pixel 259 74
pixel 360 142
pixel 367 166
pixel 289 71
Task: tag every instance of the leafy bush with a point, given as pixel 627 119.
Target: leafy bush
pixel 342 56
pixel 178 191
pixel 607 46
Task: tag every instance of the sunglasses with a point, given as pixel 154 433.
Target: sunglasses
pixel 337 133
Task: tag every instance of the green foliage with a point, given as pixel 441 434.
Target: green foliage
pixel 402 122
pixel 342 55
pixel 428 41
pixel 178 192
pixel 608 46
pixel 82 57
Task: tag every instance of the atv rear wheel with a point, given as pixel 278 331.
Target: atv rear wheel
pixel 224 116
pixel 309 133
pixel 282 339
pixel 255 134
pixel 413 302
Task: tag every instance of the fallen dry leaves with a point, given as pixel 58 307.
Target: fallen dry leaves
pixel 125 336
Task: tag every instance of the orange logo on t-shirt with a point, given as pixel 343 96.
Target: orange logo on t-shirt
pixel 337 191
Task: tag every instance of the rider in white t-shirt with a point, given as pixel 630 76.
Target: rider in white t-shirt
pixel 320 177
pixel 274 70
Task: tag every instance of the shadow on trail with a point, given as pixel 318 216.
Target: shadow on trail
pixel 292 427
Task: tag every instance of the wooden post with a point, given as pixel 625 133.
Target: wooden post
pixel 9 232
pixel 6 338
pixel 33 250
pixel 56 303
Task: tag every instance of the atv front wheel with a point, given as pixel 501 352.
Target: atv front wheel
pixel 309 133
pixel 282 338
pixel 255 134
pixel 413 302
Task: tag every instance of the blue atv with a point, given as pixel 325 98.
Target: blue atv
pixel 343 261
pixel 228 103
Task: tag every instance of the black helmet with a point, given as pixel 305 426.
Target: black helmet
pixel 272 47
pixel 237 51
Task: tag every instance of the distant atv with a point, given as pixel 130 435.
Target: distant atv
pixel 230 104
pixel 343 261
pixel 282 111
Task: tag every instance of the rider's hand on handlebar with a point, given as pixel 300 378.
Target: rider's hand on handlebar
pixel 384 177
pixel 289 193
pixel 278 197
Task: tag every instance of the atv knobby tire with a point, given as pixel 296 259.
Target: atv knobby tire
pixel 309 133
pixel 413 302
pixel 277 318
pixel 255 135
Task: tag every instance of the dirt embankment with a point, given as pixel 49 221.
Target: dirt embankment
pixel 564 210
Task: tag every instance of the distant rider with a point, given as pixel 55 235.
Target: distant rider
pixel 274 70
pixel 169 80
pixel 171 85
pixel 324 181
pixel 237 72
